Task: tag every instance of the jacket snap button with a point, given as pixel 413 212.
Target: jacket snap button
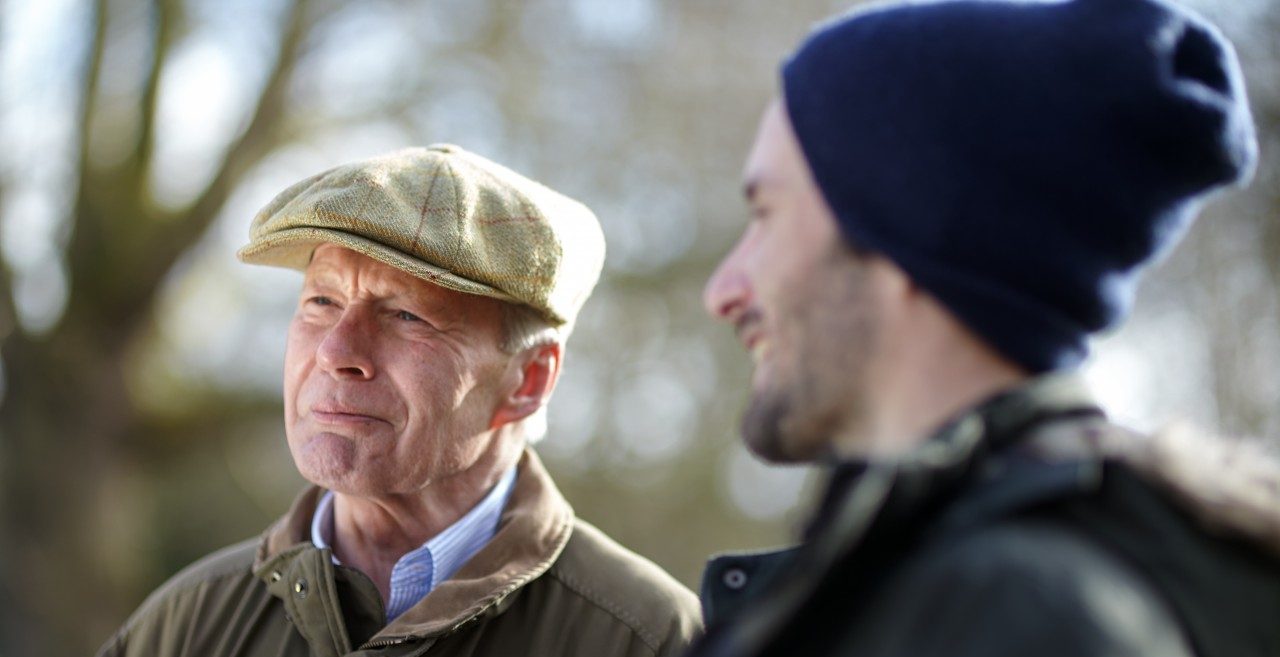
pixel 300 587
pixel 735 578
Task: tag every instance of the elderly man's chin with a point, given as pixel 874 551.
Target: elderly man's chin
pixel 326 459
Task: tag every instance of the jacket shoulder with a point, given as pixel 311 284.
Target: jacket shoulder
pixel 224 574
pixel 637 593
pixel 1022 586
pixel 233 561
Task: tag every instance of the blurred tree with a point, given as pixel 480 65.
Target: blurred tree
pixel 131 442
pixel 110 481
pixel 67 414
pixel 1222 282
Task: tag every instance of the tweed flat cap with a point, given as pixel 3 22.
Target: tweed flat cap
pixel 446 216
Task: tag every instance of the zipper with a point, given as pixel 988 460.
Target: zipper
pixel 397 640
pixel 383 643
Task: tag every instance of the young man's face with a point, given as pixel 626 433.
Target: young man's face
pixel 802 303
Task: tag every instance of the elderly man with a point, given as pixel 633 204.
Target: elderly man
pixel 439 288
pixel 949 198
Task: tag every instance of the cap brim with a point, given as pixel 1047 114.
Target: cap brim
pixel 292 248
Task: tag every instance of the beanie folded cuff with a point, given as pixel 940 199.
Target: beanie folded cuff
pixel 1034 335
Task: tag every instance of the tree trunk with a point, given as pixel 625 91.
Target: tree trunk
pixel 65 410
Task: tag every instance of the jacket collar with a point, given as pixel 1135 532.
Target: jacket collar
pixel 532 532
pixel 1012 414
pixel 865 493
pixel 1005 418
pixel 981 456
pixel 1003 421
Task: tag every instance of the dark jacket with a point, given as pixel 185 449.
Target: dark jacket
pixel 546 584
pixel 1030 526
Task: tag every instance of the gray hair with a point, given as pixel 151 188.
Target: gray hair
pixel 524 328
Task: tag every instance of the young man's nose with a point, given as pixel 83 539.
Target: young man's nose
pixel 728 291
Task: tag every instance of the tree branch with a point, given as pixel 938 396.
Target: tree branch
pixel 89 90
pixel 8 307
pixel 82 236
pixel 258 139
pixel 83 253
pixel 180 231
pixel 165 19
pixel 262 134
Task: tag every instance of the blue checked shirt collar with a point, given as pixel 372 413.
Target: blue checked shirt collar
pixel 420 571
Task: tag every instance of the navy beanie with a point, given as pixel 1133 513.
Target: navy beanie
pixel 1021 160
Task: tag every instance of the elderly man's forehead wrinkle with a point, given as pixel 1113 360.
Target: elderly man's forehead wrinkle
pixel 358 275
pixel 324 268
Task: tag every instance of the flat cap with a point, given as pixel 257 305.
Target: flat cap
pixel 446 216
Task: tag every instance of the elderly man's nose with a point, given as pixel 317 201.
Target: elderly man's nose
pixel 345 350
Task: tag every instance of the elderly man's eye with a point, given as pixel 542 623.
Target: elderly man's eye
pixel 320 301
pixel 408 316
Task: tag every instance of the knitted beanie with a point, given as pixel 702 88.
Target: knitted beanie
pixel 1021 160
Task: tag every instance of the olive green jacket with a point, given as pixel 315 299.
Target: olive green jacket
pixel 547 584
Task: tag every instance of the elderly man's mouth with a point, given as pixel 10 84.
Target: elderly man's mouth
pixel 343 416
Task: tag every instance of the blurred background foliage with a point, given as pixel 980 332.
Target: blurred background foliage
pixel 140 424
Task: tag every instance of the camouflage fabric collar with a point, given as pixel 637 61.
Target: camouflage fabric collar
pixel 1004 418
pixel 1048 395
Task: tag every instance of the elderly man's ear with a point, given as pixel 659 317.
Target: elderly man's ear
pixel 535 372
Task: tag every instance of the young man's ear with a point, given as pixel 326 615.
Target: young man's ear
pixel 537 370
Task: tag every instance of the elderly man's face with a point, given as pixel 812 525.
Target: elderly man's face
pixel 391 383
pixel 801 302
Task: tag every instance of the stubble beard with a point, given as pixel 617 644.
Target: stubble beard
pixel 785 426
pixel 834 335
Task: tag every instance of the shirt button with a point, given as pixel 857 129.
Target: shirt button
pixel 275 576
pixel 735 578
pixel 300 587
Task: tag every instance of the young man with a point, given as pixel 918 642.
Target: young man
pixel 948 199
